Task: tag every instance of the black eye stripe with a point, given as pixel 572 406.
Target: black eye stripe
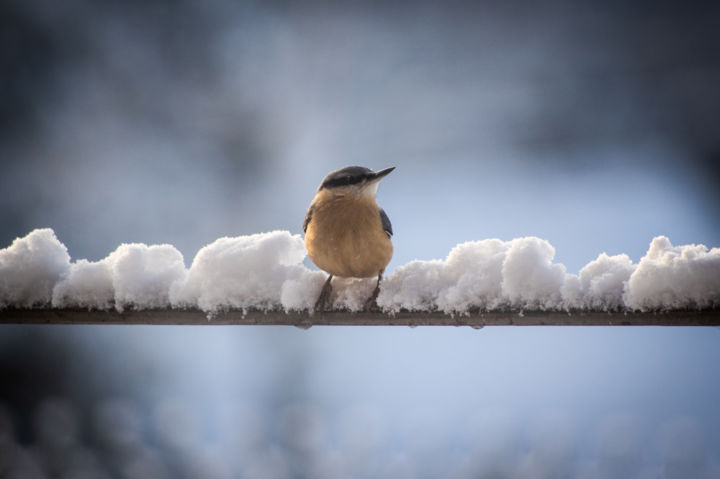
pixel 350 175
pixel 343 181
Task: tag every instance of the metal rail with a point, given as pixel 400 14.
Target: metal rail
pixel 365 318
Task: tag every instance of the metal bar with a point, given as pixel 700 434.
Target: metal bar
pixel 365 318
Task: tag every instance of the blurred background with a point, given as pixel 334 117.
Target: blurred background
pixel 592 125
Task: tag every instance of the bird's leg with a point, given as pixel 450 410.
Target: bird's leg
pixel 324 295
pixel 371 303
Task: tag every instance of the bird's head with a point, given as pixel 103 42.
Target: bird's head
pixel 353 180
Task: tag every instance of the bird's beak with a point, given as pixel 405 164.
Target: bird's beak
pixel 383 173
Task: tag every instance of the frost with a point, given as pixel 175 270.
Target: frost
pixel 266 271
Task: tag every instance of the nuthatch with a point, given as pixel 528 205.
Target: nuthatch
pixel 346 233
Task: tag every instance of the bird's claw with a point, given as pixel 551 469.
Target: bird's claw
pixel 324 296
pixel 371 303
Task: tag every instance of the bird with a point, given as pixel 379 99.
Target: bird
pixel 347 234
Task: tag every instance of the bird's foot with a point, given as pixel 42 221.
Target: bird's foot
pixel 371 303
pixel 324 296
pixel 372 306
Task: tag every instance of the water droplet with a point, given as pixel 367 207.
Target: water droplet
pixel 304 325
pixel 477 326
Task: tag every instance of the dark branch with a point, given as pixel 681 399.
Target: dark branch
pixel 344 318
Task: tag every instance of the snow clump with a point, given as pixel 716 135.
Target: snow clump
pixel 30 267
pixel 133 276
pixel 256 271
pixel 670 277
pixel 267 271
pixel 600 284
pixel 488 274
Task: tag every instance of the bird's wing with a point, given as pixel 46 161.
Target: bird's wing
pixel 308 217
pixel 387 226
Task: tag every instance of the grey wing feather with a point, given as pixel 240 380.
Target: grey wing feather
pixel 308 217
pixel 387 226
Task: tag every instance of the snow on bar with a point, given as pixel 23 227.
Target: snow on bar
pixel 266 272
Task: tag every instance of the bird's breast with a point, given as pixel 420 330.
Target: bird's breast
pixel 345 237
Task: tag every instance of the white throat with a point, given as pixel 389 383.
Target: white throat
pixel 370 189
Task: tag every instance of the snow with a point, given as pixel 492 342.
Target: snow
pixel 492 274
pixel 267 271
pixel 133 276
pixel 600 283
pixel 261 271
pixel 530 278
pixel 30 267
pixel 488 274
pixel 675 277
pixel 86 284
